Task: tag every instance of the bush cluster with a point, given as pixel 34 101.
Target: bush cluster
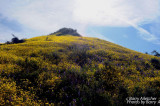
pixel 15 40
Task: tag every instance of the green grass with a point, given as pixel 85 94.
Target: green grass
pixel 68 70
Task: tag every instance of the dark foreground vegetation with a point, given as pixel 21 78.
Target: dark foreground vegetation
pixel 68 70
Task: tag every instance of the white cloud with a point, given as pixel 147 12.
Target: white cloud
pixel 46 16
pixel 118 13
pixel 154 28
pixel 110 12
pixel 143 33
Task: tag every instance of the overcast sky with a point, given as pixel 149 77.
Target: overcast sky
pixel 134 24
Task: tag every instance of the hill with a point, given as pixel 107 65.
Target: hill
pixel 72 70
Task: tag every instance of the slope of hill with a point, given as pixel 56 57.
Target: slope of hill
pixel 70 70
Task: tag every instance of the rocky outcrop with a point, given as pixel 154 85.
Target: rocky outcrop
pixel 66 31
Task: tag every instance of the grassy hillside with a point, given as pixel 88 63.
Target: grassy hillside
pixel 68 70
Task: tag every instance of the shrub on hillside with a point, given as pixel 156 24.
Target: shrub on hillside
pixel 15 40
pixel 155 53
pixel 155 63
pixel 79 53
pixel 54 57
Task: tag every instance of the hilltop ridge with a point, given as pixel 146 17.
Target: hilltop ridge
pixel 66 31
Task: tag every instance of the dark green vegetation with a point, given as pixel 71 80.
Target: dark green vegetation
pixel 66 31
pixel 68 70
pixel 15 40
pixel 154 53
